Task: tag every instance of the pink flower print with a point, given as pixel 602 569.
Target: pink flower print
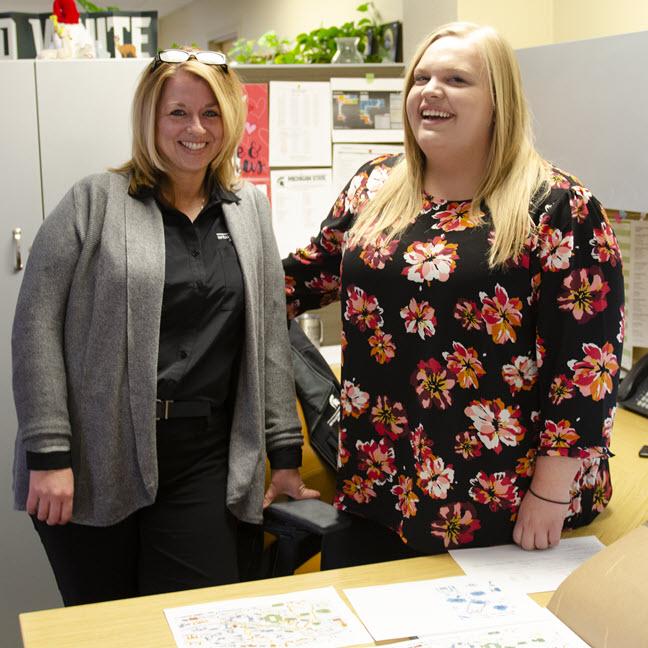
pixel 468 314
pixel 593 374
pixel 468 445
pixel 354 401
pixel 455 218
pixel 430 260
pixel 407 498
pixel 495 423
pixel 389 419
pixel 521 375
pixel 290 284
pixel 376 180
pixel 359 489
pixel 434 477
pixel 497 490
pixel 556 250
pixel 376 256
pixel 584 294
pixel 578 203
pixel 419 318
pixel 622 324
pixel 376 460
pixel 557 438
pixel 331 240
pixel 456 524
pixel 465 365
pixel 382 348
pixel 308 255
pixel 421 443
pixel 606 248
pixel 541 352
pixel 536 281
pixel 432 384
pixel 356 194
pixel 561 389
pixel 501 314
pixel 526 465
pixel 324 283
pixel 343 452
pixel 602 491
pixel 362 309
pixel 607 425
pixel 338 502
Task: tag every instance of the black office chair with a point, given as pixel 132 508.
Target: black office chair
pixel 299 526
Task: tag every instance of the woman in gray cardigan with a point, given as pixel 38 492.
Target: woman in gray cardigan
pixel 150 354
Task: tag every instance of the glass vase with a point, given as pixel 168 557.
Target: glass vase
pixel 347 50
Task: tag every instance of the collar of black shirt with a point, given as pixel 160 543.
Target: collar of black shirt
pixel 218 195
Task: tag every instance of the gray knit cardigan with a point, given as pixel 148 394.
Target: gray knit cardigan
pixel 85 349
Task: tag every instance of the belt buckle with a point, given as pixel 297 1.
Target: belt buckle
pixel 166 404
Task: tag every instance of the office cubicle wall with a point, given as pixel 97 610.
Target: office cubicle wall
pixel 589 101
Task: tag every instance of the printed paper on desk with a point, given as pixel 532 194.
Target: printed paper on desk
pixel 301 198
pixel 317 618
pixel 300 124
pixel 528 571
pixel 442 605
pixel 550 632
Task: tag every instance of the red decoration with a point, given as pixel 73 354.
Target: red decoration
pixel 66 11
pixel 254 152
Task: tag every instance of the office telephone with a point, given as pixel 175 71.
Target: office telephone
pixel 633 390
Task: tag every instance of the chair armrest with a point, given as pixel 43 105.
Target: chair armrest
pixel 310 515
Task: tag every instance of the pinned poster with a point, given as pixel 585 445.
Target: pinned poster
pixel 253 153
pixel 300 124
pixel 301 198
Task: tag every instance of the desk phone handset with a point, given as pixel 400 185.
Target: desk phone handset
pixel 633 390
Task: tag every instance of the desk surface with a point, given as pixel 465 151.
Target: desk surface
pixel 140 622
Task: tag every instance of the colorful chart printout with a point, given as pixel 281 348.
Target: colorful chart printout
pixel 315 618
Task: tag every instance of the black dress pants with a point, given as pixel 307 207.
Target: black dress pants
pixel 184 540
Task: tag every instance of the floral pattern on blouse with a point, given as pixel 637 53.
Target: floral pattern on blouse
pixel 455 376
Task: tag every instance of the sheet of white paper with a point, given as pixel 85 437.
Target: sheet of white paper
pixel 440 605
pixel 300 124
pixel 348 158
pixel 638 295
pixel 550 632
pixel 536 571
pixel 301 198
pixel 317 618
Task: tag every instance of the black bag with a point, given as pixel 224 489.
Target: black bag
pixel 318 391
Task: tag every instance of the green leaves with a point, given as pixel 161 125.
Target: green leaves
pixel 316 46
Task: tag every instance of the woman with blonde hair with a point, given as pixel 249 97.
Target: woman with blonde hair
pixel 149 350
pixel 482 304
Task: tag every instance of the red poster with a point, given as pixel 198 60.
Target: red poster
pixel 253 153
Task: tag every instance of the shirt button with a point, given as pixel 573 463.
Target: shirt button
pixel 183 354
pixel 195 253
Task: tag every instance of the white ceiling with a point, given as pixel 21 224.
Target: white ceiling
pixel 163 7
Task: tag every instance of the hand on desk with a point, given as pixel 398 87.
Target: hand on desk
pixel 539 524
pixel 50 495
pixel 288 482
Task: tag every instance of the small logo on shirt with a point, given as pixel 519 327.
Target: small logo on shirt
pixel 223 236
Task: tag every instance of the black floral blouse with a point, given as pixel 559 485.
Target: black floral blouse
pixel 455 377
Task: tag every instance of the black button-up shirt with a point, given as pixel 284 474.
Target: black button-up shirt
pixel 202 321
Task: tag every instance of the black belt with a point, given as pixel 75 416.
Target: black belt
pixel 168 409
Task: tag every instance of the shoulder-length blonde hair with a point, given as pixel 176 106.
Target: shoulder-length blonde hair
pixel 147 167
pixel 516 176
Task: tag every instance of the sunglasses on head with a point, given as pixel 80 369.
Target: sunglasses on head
pixel 180 56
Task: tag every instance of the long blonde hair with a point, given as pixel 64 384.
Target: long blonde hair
pixel 146 166
pixel 516 176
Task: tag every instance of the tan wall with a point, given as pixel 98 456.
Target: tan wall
pixel 580 19
pixel 524 23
